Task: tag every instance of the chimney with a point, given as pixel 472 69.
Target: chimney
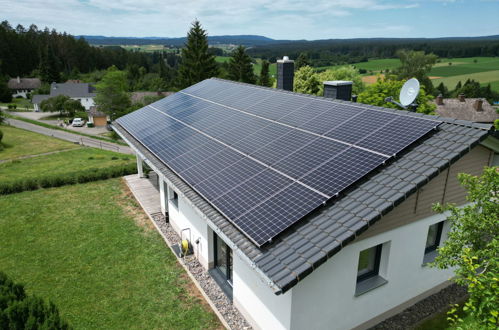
pixel 53 85
pixel 478 105
pixel 439 100
pixel 18 79
pixel 338 89
pixel 461 98
pixel 285 73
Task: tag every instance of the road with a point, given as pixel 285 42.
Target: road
pixel 82 140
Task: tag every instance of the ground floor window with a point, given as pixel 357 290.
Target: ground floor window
pixel 433 239
pixel 222 270
pixel 368 277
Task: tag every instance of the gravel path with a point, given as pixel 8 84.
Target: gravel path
pixel 426 308
pixel 230 314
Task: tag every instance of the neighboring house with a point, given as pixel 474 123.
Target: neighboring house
pixel 23 86
pixel 310 213
pixel 83 92
pixel 97 117
pixel 473 109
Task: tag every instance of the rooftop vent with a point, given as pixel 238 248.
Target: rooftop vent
pixel 461 98
pixel 285 73
pixel 478 105
pixel 439 100
pixel 338 89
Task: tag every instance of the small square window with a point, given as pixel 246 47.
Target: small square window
pixel 173 197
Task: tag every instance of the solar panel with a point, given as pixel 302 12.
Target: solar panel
pixel 266 158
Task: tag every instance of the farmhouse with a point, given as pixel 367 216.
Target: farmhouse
pixel 472 109
pixel 309 212
pixel 23 86
pixel 83 92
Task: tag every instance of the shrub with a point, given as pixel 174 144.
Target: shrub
pixel 114 158
pixel 1 136
pixel 20 311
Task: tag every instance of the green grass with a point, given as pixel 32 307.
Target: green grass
pixel 39 123
pixel 61 163
pixel 89 249
pixel 482 77
pixel 375 65
pixel 21 103
pixel 18 142
pixel 464 66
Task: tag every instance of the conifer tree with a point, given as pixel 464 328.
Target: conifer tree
pixel 264 79
pixel 49 71
pixel 240 67
pixel 197 63
pixel 302 60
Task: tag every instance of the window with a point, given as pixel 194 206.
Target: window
pixel 222 271
pixel 368 277
pixel 369 263
pixel 433 241
pixel 173 196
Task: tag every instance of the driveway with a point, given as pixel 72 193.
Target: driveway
pixel 89 142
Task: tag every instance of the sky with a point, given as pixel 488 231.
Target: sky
pixel 278 19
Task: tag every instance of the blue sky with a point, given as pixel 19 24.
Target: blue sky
pixel 279 19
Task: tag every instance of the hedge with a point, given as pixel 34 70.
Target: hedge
pixel 20 311
pixel 48 181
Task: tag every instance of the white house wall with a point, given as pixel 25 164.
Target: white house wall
pixel 326 298
pixel 87 102
pixel 257 302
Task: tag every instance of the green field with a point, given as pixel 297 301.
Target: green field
pixel 61 163
pixel 484 78
pixel 21 103
pixel 91 250
pixel 18 142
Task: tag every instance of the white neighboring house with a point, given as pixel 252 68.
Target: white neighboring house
pixel 83 92
pixel 23 86
pixel 350 264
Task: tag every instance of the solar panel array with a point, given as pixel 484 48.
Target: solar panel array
pixel 266 158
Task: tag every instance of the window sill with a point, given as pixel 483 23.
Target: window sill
pixel 429 257
pixel 369 284
pixel 173 204
pixel 222 282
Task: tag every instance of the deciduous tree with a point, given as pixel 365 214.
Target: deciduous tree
pixel 112 96
pixel 342 73
pixel 197 62
pixel 240 66
pixel 306 81
pixel 416 64
pixel 472 246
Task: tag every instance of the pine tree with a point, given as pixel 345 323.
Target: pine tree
pixel 240 67
pixel 302 60
pixel 49 71
pixel 264 79
pixel 197 63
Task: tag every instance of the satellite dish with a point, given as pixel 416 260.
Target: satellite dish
pixel 409 92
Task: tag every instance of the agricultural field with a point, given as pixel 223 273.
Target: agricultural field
pixel 149 48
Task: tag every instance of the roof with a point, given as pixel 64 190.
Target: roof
pixel 453 108
pixel 309 243
pixel 24 83
pixel 139 96
pixel 37 99
pixel 84 90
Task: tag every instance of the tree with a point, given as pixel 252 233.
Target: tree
pixel 197 62
pixel 112 96
pixel 306 81
pixel 416 64
pixel 264 78
pixel 54 104
pixel 376 94
pixel 5 93
pixel 72 106
pixel 20 311
pixel 240 66
pixel 49 68
pixel 442 89
pixel 472 247
pixel 342 73
pixel 302 61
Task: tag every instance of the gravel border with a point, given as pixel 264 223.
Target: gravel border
pixel 424 309
pixel 231 315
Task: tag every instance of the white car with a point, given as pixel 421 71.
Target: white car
pixel 78 122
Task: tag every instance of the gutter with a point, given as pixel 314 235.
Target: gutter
pixel 275 288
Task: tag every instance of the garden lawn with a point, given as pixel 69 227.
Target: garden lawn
pixel 18 142
pixel 61 163
pixel 22 103
pixel 91 250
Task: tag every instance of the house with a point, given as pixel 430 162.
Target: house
pixel 96 117
pixel 23 86
pixel 309 212
pixel 471 109
pixel 83 92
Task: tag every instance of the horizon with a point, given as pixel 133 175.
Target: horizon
pixel 317 20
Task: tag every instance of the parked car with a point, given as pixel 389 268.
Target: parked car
pixel 78 122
